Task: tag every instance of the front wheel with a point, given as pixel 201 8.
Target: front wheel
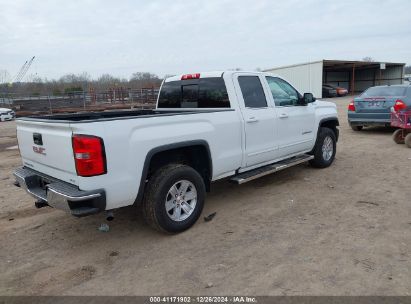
pixel 174 198
pixel 325 148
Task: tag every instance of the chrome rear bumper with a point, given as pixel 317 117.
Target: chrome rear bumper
pixel 59 194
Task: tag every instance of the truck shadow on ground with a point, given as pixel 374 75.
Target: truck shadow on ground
pixel 130 220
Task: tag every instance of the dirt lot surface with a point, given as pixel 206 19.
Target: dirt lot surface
pixel 344 230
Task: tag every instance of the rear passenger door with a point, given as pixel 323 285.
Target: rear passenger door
pixel 259 120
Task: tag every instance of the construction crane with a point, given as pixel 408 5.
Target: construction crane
pixel 23 70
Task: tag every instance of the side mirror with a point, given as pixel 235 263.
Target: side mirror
pixel 308 98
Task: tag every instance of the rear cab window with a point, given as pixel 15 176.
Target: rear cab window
pixel 209 92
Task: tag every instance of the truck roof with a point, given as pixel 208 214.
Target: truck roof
pixel 202 75
pixel 214 74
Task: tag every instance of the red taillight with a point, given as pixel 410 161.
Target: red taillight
pixel 89 155
pixel 351 106
pixel 399 105
pixel 190 76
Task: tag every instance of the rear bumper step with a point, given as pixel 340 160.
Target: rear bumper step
pixel 59 194
pixel 259 172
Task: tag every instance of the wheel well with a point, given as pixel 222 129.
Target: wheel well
pixel 331 124
pixel 195 156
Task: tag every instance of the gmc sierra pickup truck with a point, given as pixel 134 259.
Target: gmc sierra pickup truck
pixel 206 127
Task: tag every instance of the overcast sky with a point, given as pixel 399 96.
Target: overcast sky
pixel 171 37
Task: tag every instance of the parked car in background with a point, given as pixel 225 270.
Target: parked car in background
pixel 373 106
pixel 7 114
pixel 340 90
pixel 329 91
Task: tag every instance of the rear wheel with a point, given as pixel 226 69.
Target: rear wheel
pixel 356 128
pixel 325 148
pixel 398 137
pixel 407 140
pixel 174 198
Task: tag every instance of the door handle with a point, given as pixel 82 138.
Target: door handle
pixel 252 120
pixel 283 115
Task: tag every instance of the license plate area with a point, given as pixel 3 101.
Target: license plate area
pixel 375 104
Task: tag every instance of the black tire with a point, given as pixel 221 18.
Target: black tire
pixel 157 191
pixel 356 128
pixel 319 160
pixel 397 137
pixel 407 140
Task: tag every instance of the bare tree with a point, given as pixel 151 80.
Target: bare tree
pixel 144 80
pixel 73 78
pixel 107 81
pixel 368 59
pixel 4 76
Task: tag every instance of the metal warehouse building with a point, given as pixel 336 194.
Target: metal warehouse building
pixel 356 76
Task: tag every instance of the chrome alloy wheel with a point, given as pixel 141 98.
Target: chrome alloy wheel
pixel 327 148
pixel 181 200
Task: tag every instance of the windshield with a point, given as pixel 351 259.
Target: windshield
pixel 194 93
pixel 384 91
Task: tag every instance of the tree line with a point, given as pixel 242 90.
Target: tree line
pixel 82 82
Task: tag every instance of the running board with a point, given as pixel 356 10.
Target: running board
pixel 259 172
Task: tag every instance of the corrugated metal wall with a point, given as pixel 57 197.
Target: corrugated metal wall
pixel 341 79
pixel 371 77
pixel 305 77
pixel 395 74
pixel 365 79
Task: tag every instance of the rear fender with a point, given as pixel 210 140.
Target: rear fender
pixel 168 147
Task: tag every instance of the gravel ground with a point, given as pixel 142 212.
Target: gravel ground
pixel 344 230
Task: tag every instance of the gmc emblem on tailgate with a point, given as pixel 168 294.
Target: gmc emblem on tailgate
pixel 39 150
pixel 38 139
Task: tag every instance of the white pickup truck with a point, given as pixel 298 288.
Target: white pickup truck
pixel 206 127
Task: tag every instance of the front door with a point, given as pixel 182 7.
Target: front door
pixel 295 125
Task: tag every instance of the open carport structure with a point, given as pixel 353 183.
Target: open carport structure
pixel 356 76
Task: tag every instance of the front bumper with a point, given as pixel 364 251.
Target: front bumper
pixel 369 119
pixel 59 194
pixel 6 117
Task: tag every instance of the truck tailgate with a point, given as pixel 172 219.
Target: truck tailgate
pixel 47 148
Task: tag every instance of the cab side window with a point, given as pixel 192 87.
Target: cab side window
pixel 283 93
pixel 252 91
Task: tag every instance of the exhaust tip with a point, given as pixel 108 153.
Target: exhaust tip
pixel 109 216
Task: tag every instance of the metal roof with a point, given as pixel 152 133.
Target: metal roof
pixel 341 64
